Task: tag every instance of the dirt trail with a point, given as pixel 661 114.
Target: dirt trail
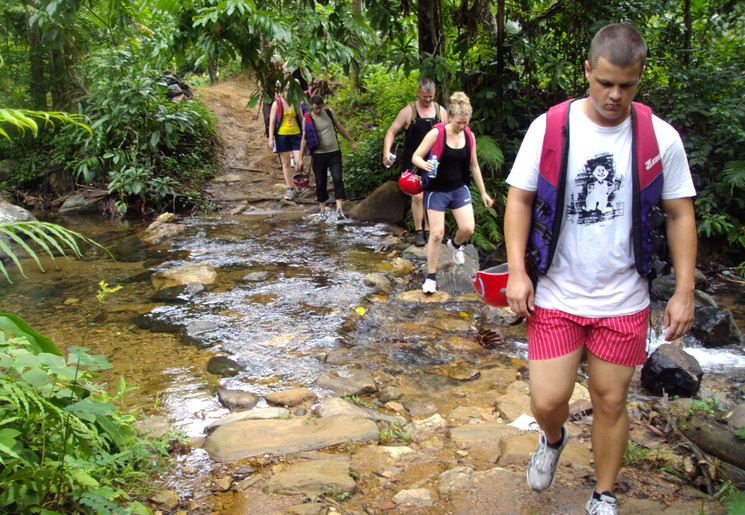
pixel 249 171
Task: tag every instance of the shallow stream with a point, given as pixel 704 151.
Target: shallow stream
pixel 294 320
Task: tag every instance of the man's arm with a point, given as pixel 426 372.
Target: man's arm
pixel 272 123
pixel 401 122
pixel 517 221
pixel 682 242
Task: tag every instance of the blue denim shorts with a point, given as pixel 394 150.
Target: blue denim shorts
pixel 287 142
pixel 442 200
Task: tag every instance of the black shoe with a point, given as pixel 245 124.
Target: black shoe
pixel 419 240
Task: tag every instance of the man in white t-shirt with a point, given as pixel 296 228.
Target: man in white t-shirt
pixel 592 297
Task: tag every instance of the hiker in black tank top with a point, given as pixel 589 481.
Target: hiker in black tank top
pixel 415 120
pixel 414 136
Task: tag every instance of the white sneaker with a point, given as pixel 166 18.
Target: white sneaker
pixel 542 469
pixel 429 287
pixel 340 217
pixel 459 257
pixel 606 505
pixel 289 194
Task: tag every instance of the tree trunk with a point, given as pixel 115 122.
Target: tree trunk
pixel 431 39
pixel 715 439
pixel 38 85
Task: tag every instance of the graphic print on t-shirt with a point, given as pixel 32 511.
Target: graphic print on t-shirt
pixel 596 187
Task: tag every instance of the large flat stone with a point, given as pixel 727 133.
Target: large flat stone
pixel 248 438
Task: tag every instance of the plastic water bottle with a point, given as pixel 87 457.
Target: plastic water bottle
pixel 292 161
pixel 392 159
pixel 435 163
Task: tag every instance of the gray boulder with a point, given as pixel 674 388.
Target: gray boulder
pixel 386 204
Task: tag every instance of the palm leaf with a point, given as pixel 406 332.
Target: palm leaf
pixel 47 236
pixel 489 153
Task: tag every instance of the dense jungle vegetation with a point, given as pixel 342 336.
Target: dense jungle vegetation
pixel 82 93
pixel 103 61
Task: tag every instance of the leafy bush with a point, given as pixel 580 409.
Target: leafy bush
pixel 64 445
pixel 145 148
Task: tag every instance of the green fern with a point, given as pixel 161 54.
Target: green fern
pixel 733 174
pixel 25 119
pixel 491 157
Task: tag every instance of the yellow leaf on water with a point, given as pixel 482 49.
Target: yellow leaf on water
pixel 360 311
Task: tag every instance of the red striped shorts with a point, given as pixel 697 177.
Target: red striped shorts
pixel 620 340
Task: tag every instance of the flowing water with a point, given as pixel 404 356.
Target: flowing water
pixel 284 326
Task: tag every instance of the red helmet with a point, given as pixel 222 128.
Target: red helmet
pixel 301 180
pixel 491 285
pixel 410 183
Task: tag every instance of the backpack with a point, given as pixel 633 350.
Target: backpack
pixel 414 113
pixel 311 136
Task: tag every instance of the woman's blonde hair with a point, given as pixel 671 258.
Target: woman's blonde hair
pixel 459 105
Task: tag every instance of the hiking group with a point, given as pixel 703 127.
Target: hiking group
pixel 593 182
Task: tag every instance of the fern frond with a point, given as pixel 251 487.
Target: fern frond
pixel 733 174
pixel 489 154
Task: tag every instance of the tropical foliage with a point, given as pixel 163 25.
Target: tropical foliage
pixel 512 59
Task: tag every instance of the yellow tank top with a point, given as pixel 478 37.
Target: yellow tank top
pixel 289 124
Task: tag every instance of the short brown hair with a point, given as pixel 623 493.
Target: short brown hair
pixel 621 44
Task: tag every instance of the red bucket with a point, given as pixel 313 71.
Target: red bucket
pixel 491 285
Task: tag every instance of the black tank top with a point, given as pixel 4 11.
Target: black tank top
pixel 454 169
pixel 414 136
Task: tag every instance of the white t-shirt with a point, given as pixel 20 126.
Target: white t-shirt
pixel 593 271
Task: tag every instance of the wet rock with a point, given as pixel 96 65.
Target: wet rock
pixel 336 407
pixel 419 296
pixel 192 273
pixel 672 370
pixel 248 438
pixel 10 213
pixel 224 483
pixel 257 277
pixel 84 201
pixel 419 408
pixel 482 440
pixel 459 370
pixel 736 417
pixel 312 478
pixel 290 398
pixel 464 414
pixel 714 327
pixel 348 382
pixel 223 366
pixel 309 508
pixel 166 499
pixel 416 498
pixel 170 293
pixel 514 402
pixel 156 324
pixel 379 282
pixel 390 393
pixel 163 232
pixel 421 430
pixel 300 412
pixel 130 250
pixel 198 334
pixel 254 414
pixel 237 399
pixel 154 427
pixel 386 204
